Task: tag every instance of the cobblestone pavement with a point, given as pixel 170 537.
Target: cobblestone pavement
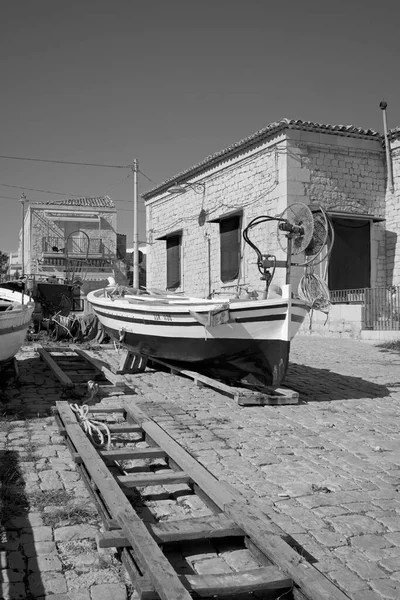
pixel 326 470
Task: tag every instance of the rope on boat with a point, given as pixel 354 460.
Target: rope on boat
pixel 91 427
pixel 314 292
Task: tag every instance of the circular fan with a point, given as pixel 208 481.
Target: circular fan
pixel 320 234
pixel 296 220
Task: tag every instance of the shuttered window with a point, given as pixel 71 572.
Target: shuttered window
pixel 173 261
pixel 229 231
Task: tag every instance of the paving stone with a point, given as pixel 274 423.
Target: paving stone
pixel 74 532
pixel 49 480
pixel 77 581
pixel 386 588
pixel 37 534
pixel 31 519
pixel 44 562
pixel 11 575
pixel 207 566
pixel 16 561
pixel 356 524
pixel 105 591
pixel 38 548
pixel 13 591
pixel 41 584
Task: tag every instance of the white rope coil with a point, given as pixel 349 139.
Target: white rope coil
pixel 93 429
pixel 314 291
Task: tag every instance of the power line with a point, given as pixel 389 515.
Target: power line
pixel 148 178
pixel 20 187
pixel 64 162
pixel 117 184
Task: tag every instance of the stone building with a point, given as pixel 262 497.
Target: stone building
pixel 70 237
pixel 195 231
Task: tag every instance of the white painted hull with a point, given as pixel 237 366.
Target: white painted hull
pixel 258 331
pixel 14 323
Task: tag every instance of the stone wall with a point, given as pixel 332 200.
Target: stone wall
pixel 340 173
pixel 254 182
pixel 393 219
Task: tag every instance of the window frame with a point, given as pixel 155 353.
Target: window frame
pixel 167 238
pixel 225 275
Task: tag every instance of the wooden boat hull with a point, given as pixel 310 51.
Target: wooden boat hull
pixel 14 324
pixel 255 340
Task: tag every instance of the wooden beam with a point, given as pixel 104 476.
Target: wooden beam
pixel 132 453
pixel 100 367
pixel 144 479
pixel 242 582
pixel 148 554
pixel 196 528
pixel 58 372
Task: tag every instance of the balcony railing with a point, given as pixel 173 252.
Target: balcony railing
pixel 381 306
pixel 354 296
pixel 76 246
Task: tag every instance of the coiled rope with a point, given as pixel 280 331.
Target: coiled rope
pixel 314 292
pixel 93 429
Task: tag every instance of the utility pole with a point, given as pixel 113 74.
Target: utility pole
pixel 22 200
pixel 383 106
pixel 135 168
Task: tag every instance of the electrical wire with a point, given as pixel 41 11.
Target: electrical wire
pixel 20 187
pixel 64 162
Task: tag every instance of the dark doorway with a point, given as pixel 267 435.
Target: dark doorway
pixel 350 262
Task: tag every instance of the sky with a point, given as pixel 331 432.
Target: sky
pixel 170 82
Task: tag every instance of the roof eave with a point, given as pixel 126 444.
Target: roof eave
pixel 260 136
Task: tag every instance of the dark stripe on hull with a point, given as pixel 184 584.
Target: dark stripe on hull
pixel 267 360
pixel 143 321
pixel 13 329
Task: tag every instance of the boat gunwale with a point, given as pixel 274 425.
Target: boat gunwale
pixel 182 308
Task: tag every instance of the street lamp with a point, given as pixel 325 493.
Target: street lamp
pixel 180 188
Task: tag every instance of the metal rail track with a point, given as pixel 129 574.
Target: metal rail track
pixel 149 547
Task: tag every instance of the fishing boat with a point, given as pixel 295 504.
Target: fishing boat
pixel 236 336
pixel 16 311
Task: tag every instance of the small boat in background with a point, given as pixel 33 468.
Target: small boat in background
pixel 16 311
pixel 239 339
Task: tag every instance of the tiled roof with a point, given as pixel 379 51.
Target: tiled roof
pixel 98 202
pixel 258 137
pixel 394 133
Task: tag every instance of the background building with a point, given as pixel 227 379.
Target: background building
pixel 195 233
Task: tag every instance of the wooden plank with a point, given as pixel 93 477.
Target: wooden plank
pixel 242 582
pixel 99 366
pixel 132 454
pixel 58 372
pixel 123 454
pixel 198 377
pixel 244 397
pixel 144 479
pixel 124 428
pixel 149 556
pixel 274 397
pixel 130 362
pixel 141 581
pixel 106 409
pixel 196 528
pixel 313 584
